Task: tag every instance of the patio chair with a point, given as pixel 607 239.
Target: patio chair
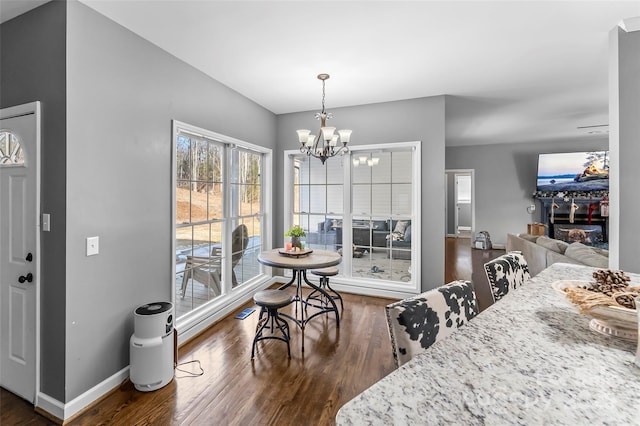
pixel 206 269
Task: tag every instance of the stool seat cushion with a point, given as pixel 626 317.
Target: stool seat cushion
pixel 326 272
pixel 272 298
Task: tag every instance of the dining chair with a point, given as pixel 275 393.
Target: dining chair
pixel 505 272
pixel 418 322
pixel 206 269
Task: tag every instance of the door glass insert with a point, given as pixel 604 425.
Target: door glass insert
pixel 11 152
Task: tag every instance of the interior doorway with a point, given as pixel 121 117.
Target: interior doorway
pixel 460 205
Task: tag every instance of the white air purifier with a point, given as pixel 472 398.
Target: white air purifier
pixel 151 357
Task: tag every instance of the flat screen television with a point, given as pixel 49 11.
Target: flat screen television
pixel 573 172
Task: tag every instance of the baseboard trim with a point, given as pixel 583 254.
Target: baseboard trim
pixel 49 407
pixel 66 411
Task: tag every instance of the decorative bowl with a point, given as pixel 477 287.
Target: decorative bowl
pixel 611 320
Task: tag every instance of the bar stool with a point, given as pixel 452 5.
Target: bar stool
pixel 270 301
pixel 324 275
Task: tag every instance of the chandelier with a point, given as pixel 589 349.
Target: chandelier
pixel 325 144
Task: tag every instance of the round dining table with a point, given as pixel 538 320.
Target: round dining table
pixel 299 263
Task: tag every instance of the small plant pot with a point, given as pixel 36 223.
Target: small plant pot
pixel 295 243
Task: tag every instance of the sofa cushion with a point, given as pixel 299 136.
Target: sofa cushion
pixel 418 322
pixel 586 255
pixel 562 245
pixel 407 233
pixel 529 237
pixel 549 243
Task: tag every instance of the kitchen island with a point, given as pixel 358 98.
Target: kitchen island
pixel 528 359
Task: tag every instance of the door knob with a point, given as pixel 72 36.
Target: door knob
pixel 29 257
pixel 27 278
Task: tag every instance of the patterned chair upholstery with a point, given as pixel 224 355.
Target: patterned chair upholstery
pixel 418 322
pixel 508 271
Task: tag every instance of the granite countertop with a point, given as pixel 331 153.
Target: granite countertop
pixel 529 359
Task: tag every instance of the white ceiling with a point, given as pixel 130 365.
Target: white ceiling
pixel 517 71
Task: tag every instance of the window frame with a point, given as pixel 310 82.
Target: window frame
pixel 201 317
pixel 362 285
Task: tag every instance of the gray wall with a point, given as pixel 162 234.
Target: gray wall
pixel 628 150
pixel 32 68
pixel 505 179
pixel 402 121
pixel 122 94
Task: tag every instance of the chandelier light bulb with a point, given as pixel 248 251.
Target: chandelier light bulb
pixel 375 161
pixel 310 140
pixel 363 160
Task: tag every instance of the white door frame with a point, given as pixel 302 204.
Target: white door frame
pixel 11 112
pixel 456 172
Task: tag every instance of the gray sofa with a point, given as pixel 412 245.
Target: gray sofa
pixel 542 251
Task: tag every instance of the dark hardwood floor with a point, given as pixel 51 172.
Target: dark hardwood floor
pixel 309 388
pixel 457 259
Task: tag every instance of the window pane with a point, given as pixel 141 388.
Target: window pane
pixel 401 199
pixel 183 158
pixel 335 199
pixel 302 166
pixel 214 201
pixel 381 199
pixel 334 169
pixel 402 167
pixel 360 173
pixel 361 199
pixel 303 197
pixel 198 200
pixel 317 172
pixel 381 172
pixel 183 202
pixel 318 199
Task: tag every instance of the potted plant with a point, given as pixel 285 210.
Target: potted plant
pixel 295 232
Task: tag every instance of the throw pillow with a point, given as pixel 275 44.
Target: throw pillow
pixel 327 225
pixel 401 226
pixel 407 233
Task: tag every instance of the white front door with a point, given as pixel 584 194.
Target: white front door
pixel 19 248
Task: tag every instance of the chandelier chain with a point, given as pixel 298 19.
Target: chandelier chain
pixel 323 81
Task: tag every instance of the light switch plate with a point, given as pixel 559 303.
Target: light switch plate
pixel 46 222
pixel 92 246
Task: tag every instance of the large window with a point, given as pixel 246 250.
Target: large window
pixel 219 215
pixel 367 200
